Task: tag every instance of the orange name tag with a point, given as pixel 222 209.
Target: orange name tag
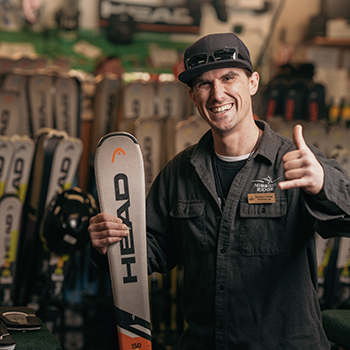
pixel 260 198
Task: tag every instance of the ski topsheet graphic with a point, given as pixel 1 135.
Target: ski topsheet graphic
pixel 15 162
pixel 6 151
pixel 40 101
pixel 107 102
pixel 9 113
pixel 168 96
pixel 20 166
pixel 55 162
pixel 149 133
pixel 120 182
pixel 18 81
pixel 138 102
pixel 10 216
pixel 65 165
pixel 67 104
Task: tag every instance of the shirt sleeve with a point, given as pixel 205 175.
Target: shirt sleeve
pixel 162 249
pixel 332 212
pixel 99 260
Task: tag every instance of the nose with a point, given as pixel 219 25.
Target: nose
pixel 217 91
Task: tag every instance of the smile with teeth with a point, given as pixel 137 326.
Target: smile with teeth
pixel 221 108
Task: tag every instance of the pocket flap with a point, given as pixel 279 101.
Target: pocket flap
pixel 187 209
pixel 270 210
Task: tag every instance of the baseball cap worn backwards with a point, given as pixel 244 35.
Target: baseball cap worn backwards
pixel 215 51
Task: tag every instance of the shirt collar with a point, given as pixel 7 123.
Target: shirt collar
pixel 270 142
pixel 267 147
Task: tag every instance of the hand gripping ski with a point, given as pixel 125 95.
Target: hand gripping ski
pixel 120 184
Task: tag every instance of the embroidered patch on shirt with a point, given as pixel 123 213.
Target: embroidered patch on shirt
pixel 266 184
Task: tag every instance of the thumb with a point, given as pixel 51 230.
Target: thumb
pixel 298 137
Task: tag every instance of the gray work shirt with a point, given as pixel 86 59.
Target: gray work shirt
pixel 250 270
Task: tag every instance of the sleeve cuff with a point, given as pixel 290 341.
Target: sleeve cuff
pixel 99 260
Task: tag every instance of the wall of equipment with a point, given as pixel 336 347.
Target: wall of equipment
pixel 54 109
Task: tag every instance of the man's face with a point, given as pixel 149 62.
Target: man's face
pixel 223 98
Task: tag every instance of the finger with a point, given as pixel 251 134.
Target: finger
pixel 286 185
pixel 101 245
pixel 101 239
pixel 104 217
pixel 298 137
pixel 296 173
pixel 106 228
pixel 291 161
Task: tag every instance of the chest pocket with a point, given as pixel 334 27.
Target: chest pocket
pixel 189 225
pixel 262 228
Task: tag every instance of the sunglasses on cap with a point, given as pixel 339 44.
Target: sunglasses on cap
pixel 226 54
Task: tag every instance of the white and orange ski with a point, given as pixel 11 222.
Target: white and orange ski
pixel 120 180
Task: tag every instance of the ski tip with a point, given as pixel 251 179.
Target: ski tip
pixel 116 134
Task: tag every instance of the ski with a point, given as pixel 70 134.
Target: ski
pixel 107 104
pixel 149 133
pixel 40 101
pixel 11 208
pixel 6 150
pixel 46 142
pixel 67 104
pixel 64 168
pixel 18 81
pixel 65 163
pixel 21 163
pixel 10 217
pixel 138 102
pixel 121 190
pixel 9 113
pixel 187 132
pixel 168 96
pixel 59 171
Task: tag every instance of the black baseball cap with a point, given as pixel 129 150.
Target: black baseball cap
pixel 215 51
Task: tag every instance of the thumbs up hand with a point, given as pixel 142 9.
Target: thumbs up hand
pixel 301 168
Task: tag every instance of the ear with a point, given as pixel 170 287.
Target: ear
pixel 254 83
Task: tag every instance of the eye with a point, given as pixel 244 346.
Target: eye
pixel 202 84
pixel 228 78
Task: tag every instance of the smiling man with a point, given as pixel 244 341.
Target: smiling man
pixel 239 210
pixel 223 98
